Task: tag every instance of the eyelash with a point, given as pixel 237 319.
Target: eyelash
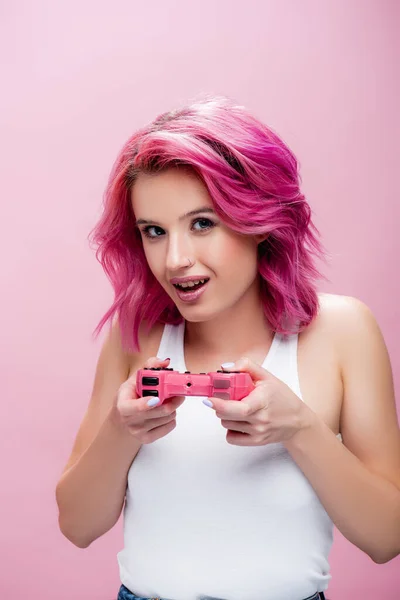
pixel 146 229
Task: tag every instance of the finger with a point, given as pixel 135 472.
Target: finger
pixel 140 410
pixel 148 425
pixel 240 439
pixel 238 426
pixel 256 371
pixel 155 434
pixel 229 409
pixel 154 361
pixel 241 410
pixel 159 410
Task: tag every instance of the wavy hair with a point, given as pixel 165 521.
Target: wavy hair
pixel 253 181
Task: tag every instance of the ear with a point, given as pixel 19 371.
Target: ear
pixel 261 237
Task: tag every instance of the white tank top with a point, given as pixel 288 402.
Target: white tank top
pixel 206 518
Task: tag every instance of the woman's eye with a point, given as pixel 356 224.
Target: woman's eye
pixel 205 224
pixel 153 231
pixel 147 231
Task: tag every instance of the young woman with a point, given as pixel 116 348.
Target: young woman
pixel 210 247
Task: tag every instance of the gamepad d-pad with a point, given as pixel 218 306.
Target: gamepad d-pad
pixel 165 383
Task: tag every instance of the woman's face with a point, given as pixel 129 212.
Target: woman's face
pixel 179 245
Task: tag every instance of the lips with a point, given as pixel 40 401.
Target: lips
pixel 192 293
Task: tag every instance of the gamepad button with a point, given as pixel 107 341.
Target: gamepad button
pixel 150 393
pixel 150 381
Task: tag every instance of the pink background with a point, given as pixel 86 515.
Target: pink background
pixel 77 79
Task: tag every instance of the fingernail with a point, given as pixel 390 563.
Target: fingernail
pixel 153 401
pixel 208 403
pixel 228 365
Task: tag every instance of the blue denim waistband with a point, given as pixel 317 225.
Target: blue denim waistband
pixel 125 594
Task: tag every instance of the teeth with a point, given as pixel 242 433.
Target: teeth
pixel 190 284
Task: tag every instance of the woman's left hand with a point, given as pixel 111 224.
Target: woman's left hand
pixel 271 413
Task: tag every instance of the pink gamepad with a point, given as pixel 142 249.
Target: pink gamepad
pixel 164 383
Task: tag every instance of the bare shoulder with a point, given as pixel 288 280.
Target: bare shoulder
pixel 369 420
pixel 350 324
pixel 339 317
pixel 337 305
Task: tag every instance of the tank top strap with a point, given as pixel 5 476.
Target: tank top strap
pixel 171 345
pixel 293 342
pixel 282 360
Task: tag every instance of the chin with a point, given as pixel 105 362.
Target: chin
pixel 192 317
pixel 198 315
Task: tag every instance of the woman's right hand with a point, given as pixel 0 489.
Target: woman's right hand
pixel 146 423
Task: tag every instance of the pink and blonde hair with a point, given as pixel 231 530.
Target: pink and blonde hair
pixel 253 181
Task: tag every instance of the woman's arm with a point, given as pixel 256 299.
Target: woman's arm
pixel 91 492
pixel 358 482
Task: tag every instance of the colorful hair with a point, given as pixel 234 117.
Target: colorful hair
pixel 253 181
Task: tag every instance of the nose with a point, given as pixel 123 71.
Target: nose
pixel 179 253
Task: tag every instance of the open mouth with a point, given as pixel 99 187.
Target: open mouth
pixel 190 287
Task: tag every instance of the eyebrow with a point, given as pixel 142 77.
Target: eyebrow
pixel 204 209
